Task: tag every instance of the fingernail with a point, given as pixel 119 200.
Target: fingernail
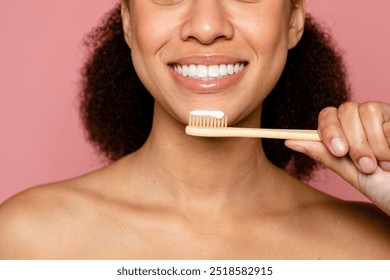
pixel 338 146
pixel 367 165
pixel 385 165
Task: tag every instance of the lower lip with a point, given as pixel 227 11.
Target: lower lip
pixel 209 86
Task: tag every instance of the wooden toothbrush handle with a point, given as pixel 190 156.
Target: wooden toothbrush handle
pixel 291 134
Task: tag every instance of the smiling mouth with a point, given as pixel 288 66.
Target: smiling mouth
pixel 208 72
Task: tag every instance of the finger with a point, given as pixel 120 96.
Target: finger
pixel 320 153
pixel 386 131
pixel 373 186
pixel 331 132
pixel 372 116
pixel 385 165
pixel 360 149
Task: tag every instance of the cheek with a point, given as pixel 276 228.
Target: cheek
pixel 143 36
pixel 270 37
pixel 147 59
pixel 147 39
pixel 152 31
pixel 267 30
pixel 269 42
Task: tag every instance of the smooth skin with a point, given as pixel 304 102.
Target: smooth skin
pixel 183 197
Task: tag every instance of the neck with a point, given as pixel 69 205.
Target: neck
pixel 199 171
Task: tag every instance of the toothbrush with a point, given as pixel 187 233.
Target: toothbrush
pixel 211 123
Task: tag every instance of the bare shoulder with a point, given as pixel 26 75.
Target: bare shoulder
pixel 359 229
pixel 45 220
pixel 366 216
pixel 34 218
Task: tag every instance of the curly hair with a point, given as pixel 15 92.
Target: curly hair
pixel 117 110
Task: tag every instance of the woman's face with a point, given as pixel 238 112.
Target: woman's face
pixel 211 54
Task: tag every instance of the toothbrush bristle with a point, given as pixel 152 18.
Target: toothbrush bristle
pixel 207 121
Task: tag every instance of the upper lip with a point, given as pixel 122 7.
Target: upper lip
pixel 206 60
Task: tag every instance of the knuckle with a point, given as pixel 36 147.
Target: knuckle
pixel 369 108
pixel 327 132
pixel 347 108
pixel 382 152
pixel 359 149
pixel 386 130
pixel 328 122
pixel 326 112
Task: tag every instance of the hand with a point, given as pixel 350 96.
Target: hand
pixel 356 145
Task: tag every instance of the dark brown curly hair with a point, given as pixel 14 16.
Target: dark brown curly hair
pixel 117 110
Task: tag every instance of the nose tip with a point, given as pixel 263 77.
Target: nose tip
pixel 207 23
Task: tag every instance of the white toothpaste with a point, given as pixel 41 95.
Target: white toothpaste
pixel 208 113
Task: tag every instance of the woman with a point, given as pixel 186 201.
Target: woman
pixel 181 197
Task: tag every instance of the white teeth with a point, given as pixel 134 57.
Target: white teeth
pixel 185 70
pixel 208 72
pixel 223 70
pixel 192 71
pixel 202 71
pixel 236 68
pixel 230 69
pixel 213 71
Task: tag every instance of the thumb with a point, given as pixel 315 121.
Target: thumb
pixel 374 186
pixel 343 166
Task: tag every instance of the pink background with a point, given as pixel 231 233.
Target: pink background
pixel 41 139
